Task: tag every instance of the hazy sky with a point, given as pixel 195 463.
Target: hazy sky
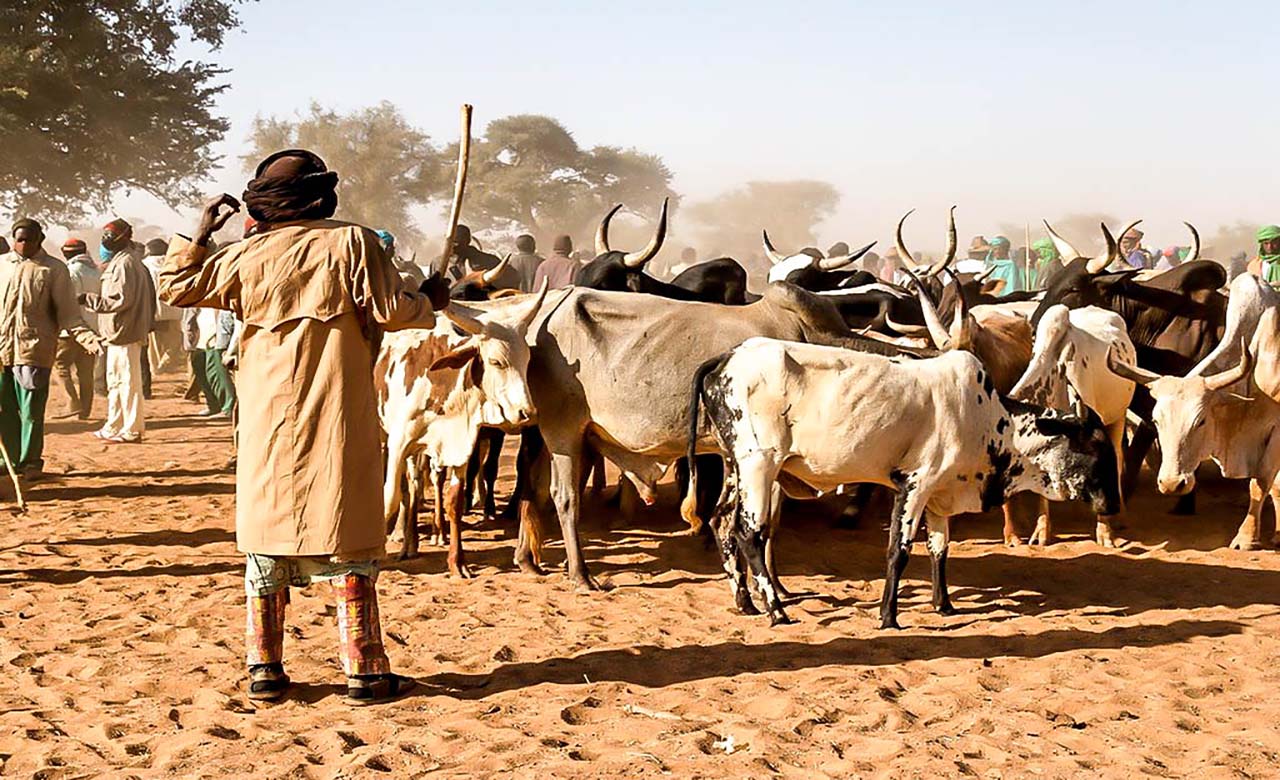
pixel 1013 110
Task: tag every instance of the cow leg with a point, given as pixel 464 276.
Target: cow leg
pixel 1043 535
pixel 409 509
pixel 1249 535
pixel 775 521
pixel 852 512
pixel 710 481
pixel 566 473
pixel 757 477
pixel 939 540
pixel 535 503
pixel 437 510
pixel 1275 505
pixel 473 492
pixel 1011 538
pixel 489 474
pixel 1144 435
pixel 455 494
pixel 528 451
pixel 393 480
pixel 1106 523
pixel 903 523
pixel 723 526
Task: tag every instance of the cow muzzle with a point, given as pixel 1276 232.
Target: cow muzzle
pixel 1176 484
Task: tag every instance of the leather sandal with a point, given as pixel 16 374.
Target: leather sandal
pixel 378 688
pixel 267 682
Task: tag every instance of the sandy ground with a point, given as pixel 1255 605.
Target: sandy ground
pixel 121 638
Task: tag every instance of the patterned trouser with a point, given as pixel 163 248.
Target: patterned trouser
pixel 266 581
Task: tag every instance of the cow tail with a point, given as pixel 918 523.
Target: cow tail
pixel 689 506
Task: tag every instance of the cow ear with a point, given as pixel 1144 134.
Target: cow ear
pixel 456 358
pixel 1054 426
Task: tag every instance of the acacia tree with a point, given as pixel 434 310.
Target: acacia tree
pixel 385 165
pixel 529 173
pixel 92 101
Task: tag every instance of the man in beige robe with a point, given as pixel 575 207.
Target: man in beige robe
pixel 313 295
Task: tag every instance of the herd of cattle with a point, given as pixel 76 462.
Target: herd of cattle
pixel 832 381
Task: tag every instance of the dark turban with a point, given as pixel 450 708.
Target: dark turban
pixel 157 247
pixel 29 224
pixel 291 185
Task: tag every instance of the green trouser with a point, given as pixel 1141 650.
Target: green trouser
pixel 219 380
pixel 22 420
pixel 202 379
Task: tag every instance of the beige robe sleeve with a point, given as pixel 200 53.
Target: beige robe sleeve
pixel 67 311
pixel 380 291
pixel 190 277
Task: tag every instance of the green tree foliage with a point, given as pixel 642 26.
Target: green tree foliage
pixel 385 165
pixel 529 174
pixel 93 101
pixel 730 223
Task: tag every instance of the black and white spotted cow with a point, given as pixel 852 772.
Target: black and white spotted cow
pixel 808 418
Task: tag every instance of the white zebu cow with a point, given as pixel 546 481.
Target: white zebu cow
pixel 812 418
pixel 1200 418
pixel 437 387
pixel 1068 371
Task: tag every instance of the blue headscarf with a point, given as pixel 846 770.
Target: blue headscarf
pixel 387 239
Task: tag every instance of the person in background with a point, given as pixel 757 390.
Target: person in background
pixel 73 365
pixel 468 259
pixel 1266 266
pixel 313 294
pixel 688 259
pixel 1047 262
pixel 525 261
pixel 215 327
pixel 975 260
pixel 1170 257
pixel 891 266
pixel 127 304
pixel 559 269
pixel 165 349
pixel 37 301
pixel 410 273
pixel 1132 255
pixel 871 263
pixel 838 249
pixel 1004 268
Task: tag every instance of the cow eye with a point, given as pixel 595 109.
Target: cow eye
pixel 1199 423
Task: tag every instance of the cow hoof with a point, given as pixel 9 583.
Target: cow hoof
pixel 1041 536
pixel 1275 540
pixel 407 555
pixel 1106 538
pixel 1245 543
pixel 461 572
pixel 890 623
pixel 745 605
pixel 584 583
pixel 945 609
pixel 779 618
pixel 529 567
pixel 1013 541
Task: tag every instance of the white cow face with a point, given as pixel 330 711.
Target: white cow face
pixel 1183 416
pixel 502 364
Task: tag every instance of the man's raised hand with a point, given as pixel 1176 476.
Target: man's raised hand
pixel 214 217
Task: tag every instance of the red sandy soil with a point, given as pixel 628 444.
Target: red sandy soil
pixel 121 641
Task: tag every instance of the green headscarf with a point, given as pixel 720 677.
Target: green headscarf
pixel 1045 248
pixel 1270 263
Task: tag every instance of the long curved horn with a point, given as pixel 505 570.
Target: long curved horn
pixel 982 275
pixel 905 256
pixel 477 243
pixel 1125 371
pixel 840 261
pixel 962 324
pixel 952 245
pixel 907 330
pixel 465 318
pixel 1099 264
pixel 774 255
pixel 1235 373
pixel 1066 252
pixel 491 276
pixel 938 333
pixel 602 232
pixel 1194 254
pixel 459 186
pixel 637 260
pixel 526 319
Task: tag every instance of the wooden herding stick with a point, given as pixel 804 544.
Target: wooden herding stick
pixel 459 185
